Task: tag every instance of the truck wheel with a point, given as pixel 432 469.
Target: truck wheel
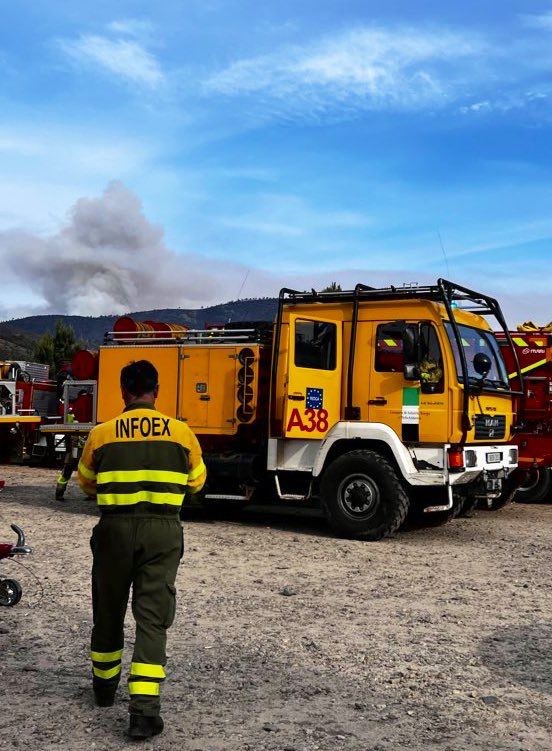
pixel 536 488
pixel 362 496
pixel 509 489
pixel 504 499
pixel 464 505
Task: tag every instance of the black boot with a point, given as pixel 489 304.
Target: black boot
pixel 141 727
pixel 104 696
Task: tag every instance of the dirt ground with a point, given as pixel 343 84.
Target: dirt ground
pixel 434 639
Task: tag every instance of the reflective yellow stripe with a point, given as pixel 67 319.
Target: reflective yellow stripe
pixel 528 368
pixel 146 670
pixel 61 480
pixel 519 341
pixel 85 472
pixel 197 472
pixel 139 475
pixel 107 674
pixel 390 342
pixel 147 496
pixel 143 687
pixel 106 656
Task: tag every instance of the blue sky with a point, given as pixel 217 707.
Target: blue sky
pixel 290 143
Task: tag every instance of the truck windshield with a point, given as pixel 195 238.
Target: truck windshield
pixel 474 341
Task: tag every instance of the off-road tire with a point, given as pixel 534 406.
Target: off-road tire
pixel 538 491
pixel 464 505
pixel 362 496
pixel 504 499
pixel 509 490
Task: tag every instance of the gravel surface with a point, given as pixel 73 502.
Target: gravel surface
pixel 291 640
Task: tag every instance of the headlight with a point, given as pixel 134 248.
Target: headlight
pixel 513 456
pixel 471 458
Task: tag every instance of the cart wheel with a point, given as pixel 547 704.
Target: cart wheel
pixel 10 592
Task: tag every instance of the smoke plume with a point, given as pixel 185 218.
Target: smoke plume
pixel 108 258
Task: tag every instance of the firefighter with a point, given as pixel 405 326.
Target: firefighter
pixel 431 371
pixel 74 445
pixel 139 465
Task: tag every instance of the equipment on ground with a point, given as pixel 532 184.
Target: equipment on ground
pixel 370 402
pixel 10 589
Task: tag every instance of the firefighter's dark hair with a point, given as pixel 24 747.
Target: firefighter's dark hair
pixel 139 377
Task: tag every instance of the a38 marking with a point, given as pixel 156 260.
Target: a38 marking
pixel 312 420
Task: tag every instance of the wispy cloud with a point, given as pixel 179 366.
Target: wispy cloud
pixel 88 150
pixel 289 216
pixel 364 68
pixel 45 166
pixel 539 21
pixel 120 54
pixel 508 101
pixel 397 69
pixel 132 27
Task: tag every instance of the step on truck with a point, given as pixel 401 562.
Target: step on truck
pixel 364 401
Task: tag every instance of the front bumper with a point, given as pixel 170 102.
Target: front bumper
pixel 494 461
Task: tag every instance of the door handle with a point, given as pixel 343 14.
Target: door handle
pixel 381 400
pixel 296 397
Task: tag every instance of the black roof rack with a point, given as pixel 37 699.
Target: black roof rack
pixel 435 293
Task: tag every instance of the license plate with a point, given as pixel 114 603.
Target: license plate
pixel 493 457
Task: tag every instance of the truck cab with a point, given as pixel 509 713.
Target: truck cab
pixel 389 401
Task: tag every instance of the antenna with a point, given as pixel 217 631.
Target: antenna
pixel 444 253
pixel 243 283
pixel 240 290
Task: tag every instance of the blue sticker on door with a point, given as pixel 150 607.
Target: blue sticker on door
pixel 315 398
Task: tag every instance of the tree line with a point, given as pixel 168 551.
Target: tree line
pixel 57 349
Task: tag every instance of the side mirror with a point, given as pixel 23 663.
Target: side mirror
pixel 411 370
pixel 410 344
pixel 482 364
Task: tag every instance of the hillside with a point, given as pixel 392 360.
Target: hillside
pixel 15 344
pixel 18 335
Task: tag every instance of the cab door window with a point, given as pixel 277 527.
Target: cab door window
pixel 315 345
pixel 389 349
pixel 390 355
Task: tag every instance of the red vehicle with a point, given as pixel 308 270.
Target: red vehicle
pixel 10 589
pixel 532 480
pixel 27 398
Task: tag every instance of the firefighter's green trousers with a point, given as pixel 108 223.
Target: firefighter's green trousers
pixel 141 547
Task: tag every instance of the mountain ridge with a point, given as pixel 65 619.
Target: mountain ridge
pixel 18 335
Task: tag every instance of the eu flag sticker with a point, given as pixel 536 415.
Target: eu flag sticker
pixel 315 398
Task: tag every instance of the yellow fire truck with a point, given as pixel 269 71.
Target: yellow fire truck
pixel 370 402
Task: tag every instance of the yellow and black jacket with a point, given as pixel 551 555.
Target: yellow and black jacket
pixel 141 456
